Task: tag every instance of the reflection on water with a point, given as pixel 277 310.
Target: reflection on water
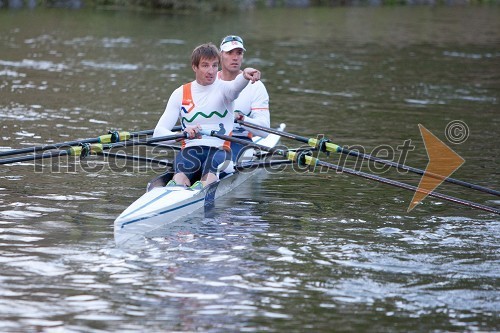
pixel 293 251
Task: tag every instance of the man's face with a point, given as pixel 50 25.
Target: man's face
pixel 206 72
pixel 231 60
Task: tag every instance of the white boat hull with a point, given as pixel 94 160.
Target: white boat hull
pixel 162 205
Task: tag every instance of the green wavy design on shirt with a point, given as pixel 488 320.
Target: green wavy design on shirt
pixel 204 115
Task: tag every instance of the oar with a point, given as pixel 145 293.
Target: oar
pixel 261 164
pixel 111 137
pixel 138 158
pixel 303 158
pixel 162 145
pixel 326 146
pixel 86 149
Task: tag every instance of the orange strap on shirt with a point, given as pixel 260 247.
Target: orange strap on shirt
pixel 187 98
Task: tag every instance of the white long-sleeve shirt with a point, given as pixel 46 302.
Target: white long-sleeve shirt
pixel 211 107
pixel 253 102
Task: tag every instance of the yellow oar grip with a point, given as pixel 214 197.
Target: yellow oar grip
pixel 124 136
pixel 308 159
pixel 312 142
pixel 77 150
pixel 328 145
pixel 291 155
pixel 96 148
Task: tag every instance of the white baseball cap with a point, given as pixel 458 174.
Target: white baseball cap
pixel 231 42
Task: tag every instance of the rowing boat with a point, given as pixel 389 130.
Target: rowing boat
pixel 162 205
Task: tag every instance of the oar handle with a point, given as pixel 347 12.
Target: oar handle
pixel 182 135
pixel 207 132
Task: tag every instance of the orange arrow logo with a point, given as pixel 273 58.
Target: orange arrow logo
pixel 443 161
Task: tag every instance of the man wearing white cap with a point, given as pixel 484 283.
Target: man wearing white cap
pixel 252 105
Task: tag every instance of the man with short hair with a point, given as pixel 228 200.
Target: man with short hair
pixel 252 105
pixel 205 103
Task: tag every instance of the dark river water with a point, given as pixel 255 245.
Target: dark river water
pixel 290 251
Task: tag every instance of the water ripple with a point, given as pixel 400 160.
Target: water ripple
pixel 43 65
pixel 111 65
